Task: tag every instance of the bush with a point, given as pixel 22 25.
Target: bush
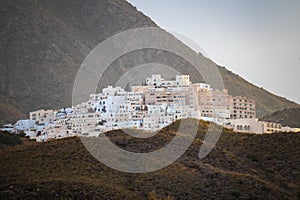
pixel 9 139
pixel 22 134
pixel 252 158
pixel 236 194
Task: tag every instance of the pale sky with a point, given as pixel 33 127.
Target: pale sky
pixel 257 39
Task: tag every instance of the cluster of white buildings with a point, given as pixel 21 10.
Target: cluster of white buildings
pixel 152 106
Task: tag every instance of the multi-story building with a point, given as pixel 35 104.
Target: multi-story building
pixel 151 106
pixel 242 108
pixel 214 103
pixel 166 96
pixel 41 116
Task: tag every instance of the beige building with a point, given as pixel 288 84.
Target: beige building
pixel 214 103
pixel 245 125
pixel 41 116
pixel 242 108
pixel 271 127
pixel 254 126
pixel 161 96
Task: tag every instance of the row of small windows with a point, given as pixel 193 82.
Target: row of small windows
pixel 247 113
pixel 241 100
pixel 242 108
pixel 241 116
pixel 242 104
pixel 241 127
pixel 273 125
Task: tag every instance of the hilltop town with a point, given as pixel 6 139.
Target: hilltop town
pixel 151 106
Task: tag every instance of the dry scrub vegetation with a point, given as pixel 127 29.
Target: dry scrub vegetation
pixel 241 166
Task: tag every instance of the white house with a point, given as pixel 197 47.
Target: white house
pixel 24 124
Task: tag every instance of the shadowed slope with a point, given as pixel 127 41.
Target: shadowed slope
pixel 240 166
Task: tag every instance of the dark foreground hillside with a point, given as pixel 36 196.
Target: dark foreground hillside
pixel 241 166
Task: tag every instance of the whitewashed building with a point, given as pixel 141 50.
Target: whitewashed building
pixel 151 106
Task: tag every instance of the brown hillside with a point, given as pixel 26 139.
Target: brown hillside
pixel 241 166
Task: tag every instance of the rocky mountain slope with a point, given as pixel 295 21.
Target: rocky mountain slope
pixel 43 43
pixel 287 117
pixel 241 166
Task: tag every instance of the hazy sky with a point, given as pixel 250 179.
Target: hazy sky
pixel 257 39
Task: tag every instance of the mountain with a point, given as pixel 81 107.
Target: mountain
pixel 241 166
pixel 43 43
pixel 287 117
